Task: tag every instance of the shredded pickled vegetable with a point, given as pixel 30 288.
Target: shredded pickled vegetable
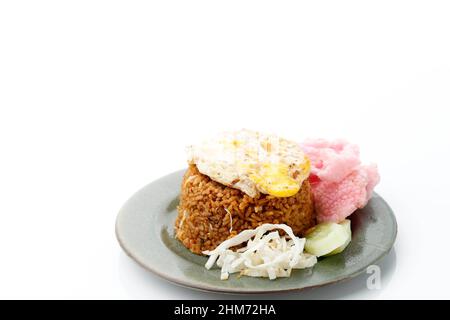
pixel 265 254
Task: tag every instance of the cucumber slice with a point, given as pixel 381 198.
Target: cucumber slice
pixel 346 224
pixel 326 237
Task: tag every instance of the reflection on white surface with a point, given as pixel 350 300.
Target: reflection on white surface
pixel 142 284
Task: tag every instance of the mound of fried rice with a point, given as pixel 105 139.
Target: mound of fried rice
pixel 209 212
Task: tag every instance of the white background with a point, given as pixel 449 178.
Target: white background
pixel 99 98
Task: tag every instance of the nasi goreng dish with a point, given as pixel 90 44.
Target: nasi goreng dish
pixel 260 205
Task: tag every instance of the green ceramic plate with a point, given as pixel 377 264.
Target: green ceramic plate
pixel 144 228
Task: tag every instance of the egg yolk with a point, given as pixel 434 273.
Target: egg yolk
pixel 275 180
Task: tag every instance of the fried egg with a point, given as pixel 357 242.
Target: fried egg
pixel 252 162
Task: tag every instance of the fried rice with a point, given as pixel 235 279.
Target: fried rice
pixel 210 212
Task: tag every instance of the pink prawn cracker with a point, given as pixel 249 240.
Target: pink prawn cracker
pixel 340 183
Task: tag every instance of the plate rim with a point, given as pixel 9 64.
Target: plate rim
pixel 210 288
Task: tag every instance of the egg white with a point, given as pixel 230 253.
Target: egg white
pixel 240 160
